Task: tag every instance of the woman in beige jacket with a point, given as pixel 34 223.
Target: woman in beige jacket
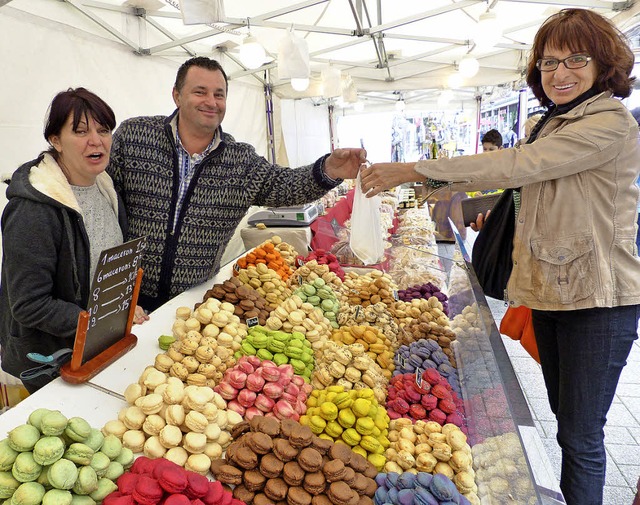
pixel 575 261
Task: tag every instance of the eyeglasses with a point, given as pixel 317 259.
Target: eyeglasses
pixel 572 62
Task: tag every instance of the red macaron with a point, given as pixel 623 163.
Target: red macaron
pixel 197 485
pixel 147 491
pixel 173 480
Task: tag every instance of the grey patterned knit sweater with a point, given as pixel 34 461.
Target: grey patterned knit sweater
pixel 144 168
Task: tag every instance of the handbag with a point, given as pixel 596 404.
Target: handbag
pixel 517 323
pixel 491 253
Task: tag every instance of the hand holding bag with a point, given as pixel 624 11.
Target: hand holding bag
pixel 491 254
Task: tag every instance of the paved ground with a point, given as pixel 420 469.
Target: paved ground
pixel 622 432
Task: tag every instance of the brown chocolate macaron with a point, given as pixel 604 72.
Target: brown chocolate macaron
pixel 322 445
pixel 298 496
pixel 246 458
pixel 321 499
pixel 360 484
pixel 371 487
pixel 260 443
pixel 310 459
pixel 364 500
pixel 293 474
pixel 276 489
pixel 240 429
pixel 358 462
pixel 340 493
pixel 334 470
pixel 342 452
pixel 270 426
pixel 216 464
pixel 270 466
pixel 301 436
pixel 284 451
pixel 371 471
pixel 349 476
pixel 262 499
pixel 228 474
pixel 315 483
pixel 254 480
pixel 287 426
pixel 243 494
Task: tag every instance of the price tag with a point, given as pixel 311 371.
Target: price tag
pixel 395 295
pixel 236 267
pixel 358 308
pixel 252 322
pixel 299 262
pixel 419 379
pixel 403 362
pixel 300 280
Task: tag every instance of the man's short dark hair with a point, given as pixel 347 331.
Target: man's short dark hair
pixel 202 62
pixel 492 137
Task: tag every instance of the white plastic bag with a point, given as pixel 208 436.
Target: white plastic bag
pixel 293 57
pixel 201 11
pixel 366 240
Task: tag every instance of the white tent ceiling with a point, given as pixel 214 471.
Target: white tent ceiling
pixel 389 48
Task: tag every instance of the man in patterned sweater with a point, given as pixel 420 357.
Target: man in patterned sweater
pixel 186 184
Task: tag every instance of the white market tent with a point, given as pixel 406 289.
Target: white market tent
pixel 128 52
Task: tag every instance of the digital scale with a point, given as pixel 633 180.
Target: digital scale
pixel 302 215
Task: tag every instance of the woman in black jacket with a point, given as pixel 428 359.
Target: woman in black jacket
pixel 62 211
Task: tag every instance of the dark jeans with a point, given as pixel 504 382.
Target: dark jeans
pixel 582 353
pixel 638 235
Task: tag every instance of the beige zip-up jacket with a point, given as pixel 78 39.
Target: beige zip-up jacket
pixel 574 245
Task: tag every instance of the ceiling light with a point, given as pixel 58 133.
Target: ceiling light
pixel 300 84
pixel 252 54
pixel 455 80
pixel 468 66
pixel 488 31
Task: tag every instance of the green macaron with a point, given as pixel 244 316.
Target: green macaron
pixel 87 481
pixel 7 456
pixel 105 487
pixel 82 499
pixel 48 450
pixel 35 418
pixel 100 462
pixel 29 493
pixel 57 497
pixel 125 458
pixel 95 439
pixel 63 474
pixel 53 423
pixel 79 453
pixel 114 470
pixel 112 446
pixel 8 485
pixel 77 429
pixel 22 438
pixel 25 468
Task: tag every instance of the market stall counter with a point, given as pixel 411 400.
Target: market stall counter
pixel 435 371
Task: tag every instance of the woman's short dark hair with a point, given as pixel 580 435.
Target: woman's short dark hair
pixel 582 30
pixel 80 102
pixel 202 62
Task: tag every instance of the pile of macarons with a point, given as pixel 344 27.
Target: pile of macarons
pixel 425 396
pixel 274 462
pixel 255 387
pixel 425 353
pixel 322 257
pixel 425 291
pixel 280 347
pixel 55 460
pixel 352 417
pixel 320 295
pixel 417 489
pixel 152 481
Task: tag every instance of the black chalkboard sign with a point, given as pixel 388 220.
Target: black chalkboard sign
pixel 110 296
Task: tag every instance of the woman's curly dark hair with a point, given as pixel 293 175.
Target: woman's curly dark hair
pixel 581 30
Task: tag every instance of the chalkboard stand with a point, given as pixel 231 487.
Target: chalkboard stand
pixel 77 372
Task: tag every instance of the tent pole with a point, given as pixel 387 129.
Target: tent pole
pixel 332 139
pixel 271 144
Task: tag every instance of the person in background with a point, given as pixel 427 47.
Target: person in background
pixel 491 141
pixel 575 263
pixel 62 211
pixel 511 137
pixel 186 184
